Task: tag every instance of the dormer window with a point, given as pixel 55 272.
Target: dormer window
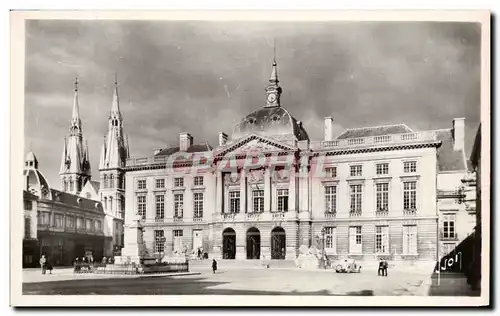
pixel 275 118
pixel 251 120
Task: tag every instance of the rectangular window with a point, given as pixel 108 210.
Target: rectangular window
pixel 160 183
pixel 160 206
pixel 70 221
pixel 27 228
pixel 356 171
pixel 98 226
pixel 178 182
pixel 44 218
pixel 258 201
pixel 410 166
pixel 141 184
pixel 178 240
pixel 198 205
pixel 331 199
pixel 198 180
pixel 356 198
pixel 449 226
pixel 178 205
pixel 282 200
pixel 141 206
pixel 410 240
pixel 79 223
pixel 382 197
pixel 410 195
pixel 234 202
pixel 331 239
pixel 331 172
pixel 88 224
pixel 159 243
pixel 58 221
pixel 355 240
pixel 382 239
pixel 382 168
pixel 28 205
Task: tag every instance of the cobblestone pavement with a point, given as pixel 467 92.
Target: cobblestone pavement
pixel 251 281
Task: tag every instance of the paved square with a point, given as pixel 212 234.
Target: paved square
pixel 249 281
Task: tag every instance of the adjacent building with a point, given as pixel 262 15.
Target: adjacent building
pixel 269 188
pixel 59 225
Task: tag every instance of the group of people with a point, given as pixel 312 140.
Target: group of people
pixel 46 264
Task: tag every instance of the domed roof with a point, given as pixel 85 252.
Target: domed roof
pixel 35 181
pixel 275 122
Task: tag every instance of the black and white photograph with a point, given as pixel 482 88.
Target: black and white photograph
pixel 276 158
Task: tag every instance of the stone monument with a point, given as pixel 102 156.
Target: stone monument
pixel 132 252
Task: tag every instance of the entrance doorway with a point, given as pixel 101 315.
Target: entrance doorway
pixel 228 244
pixel 253 243
pixel 278 243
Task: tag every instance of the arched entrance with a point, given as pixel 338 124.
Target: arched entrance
pixel 228 243
pixel 253 243
pixel 278 243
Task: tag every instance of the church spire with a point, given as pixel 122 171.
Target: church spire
pixel 76 122
pixel 273 90
pixel 115 106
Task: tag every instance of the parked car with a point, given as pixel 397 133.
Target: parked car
pixel 348 266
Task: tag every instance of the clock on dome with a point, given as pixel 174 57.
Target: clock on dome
pixel 271 97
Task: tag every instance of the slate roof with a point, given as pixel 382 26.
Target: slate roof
pixel 95 185
pixel 272 122
pixel 75 200
pixel 375 131
pixel 29 196
pixel 449 159
pixel 193 149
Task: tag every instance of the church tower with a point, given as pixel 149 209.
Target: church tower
pixel 75 163
pixel 114 153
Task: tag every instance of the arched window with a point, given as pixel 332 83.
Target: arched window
pixel 106 203
pixel 111 203
pixel 105 180
pixel 70 185
pixel 111 181
pixel 65 185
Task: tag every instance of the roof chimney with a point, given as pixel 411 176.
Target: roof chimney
pixel 459 133
pixel 185 141
pixel 328 128
pixel 222 139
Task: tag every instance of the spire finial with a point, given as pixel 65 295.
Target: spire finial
pixel 76 84
pixel 274 52
pixel 116 78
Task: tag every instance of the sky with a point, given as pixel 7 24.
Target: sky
pixel 204 77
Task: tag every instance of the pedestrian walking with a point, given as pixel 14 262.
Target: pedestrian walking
pixel 381 267
pixel 43 265
pixel 386 266
pixel 49 265
pixel 214 265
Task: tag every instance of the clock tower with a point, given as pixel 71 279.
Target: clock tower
pixel 273 90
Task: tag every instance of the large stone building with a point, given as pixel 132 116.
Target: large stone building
pixel 270 189
pixel 59 225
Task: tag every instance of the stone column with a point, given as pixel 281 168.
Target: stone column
pixel 243 191
pixel 292 191
pixel 267 191
pixel 218 195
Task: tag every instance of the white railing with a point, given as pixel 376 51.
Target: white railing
pixel 409 212
pixel 375 140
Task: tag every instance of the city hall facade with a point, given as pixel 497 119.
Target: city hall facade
pixel 269 189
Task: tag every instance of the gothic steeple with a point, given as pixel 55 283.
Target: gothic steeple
pixel 113 152
pixel 75 163
pixel 273 90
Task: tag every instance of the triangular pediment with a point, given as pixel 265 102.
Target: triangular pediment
pixel 255 144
